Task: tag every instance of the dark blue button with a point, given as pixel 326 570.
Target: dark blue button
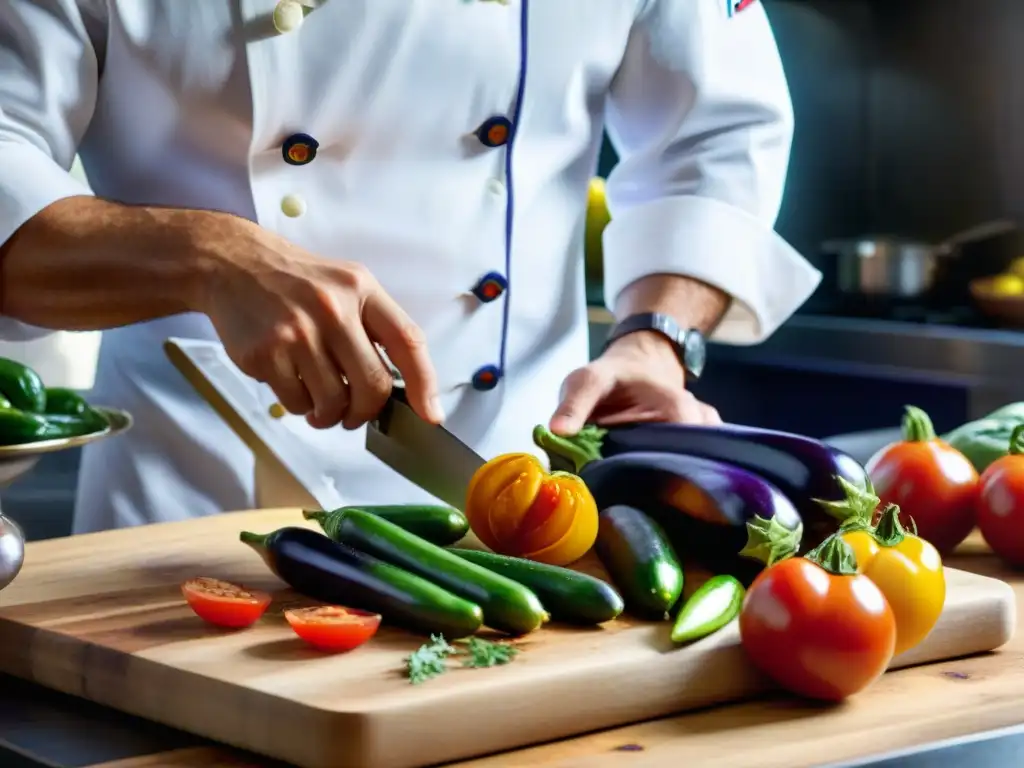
pixel 490 287
pixel 494 131
pixel 486 378
pixel 299 149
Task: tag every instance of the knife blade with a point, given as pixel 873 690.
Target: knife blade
pixel 426 454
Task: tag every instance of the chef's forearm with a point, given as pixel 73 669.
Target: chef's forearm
pixel 88 264
pixel 690 302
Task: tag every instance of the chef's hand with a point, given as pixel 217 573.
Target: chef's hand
pixel 638 378
pixel 300 323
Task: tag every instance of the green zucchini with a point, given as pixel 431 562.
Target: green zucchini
pixel 640 560
pixel 568 595
pixel 67 402
pixel 22 387
pixel 507 606
pixel 437 524
pixel 324 570
pixel 717 602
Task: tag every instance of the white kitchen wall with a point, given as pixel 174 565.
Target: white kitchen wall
pixel 63 359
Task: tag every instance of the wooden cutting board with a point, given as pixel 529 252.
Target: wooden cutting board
pixel 101 616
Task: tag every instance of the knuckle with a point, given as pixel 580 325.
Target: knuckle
pixel 356 277
pixel 412 337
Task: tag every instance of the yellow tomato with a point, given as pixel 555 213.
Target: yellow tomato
pixel 516 507
pixel 908 571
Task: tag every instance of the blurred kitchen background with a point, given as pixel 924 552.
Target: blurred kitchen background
pixel 910 125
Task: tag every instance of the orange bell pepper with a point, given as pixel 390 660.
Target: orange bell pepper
pixel 516 507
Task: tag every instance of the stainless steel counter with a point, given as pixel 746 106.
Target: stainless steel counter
pixel 989 364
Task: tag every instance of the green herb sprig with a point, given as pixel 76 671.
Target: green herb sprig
pixel 431 659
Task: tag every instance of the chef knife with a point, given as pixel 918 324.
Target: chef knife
pixel 426 454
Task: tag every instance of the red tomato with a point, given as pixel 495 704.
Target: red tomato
pixel 932 483
pixel 333 628
pixel 815 633
pixel 223 603
pixel 1001 505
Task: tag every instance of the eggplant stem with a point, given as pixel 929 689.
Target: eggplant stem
pixel 769 541
pixel 917 425
pixel 856 510
pixel 570 453
pixel 258 540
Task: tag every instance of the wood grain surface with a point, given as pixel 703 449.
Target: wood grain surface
pixel 101 616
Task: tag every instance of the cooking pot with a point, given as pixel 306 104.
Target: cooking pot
pixel 901 268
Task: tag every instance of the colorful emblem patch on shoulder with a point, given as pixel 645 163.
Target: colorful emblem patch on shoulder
pixel 732 7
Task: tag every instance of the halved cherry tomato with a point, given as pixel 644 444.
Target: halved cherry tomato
pixel 223 603
pixel 934 484
pixel 816 626
pixel 332 627
pixel 516 507
pixel 1001 503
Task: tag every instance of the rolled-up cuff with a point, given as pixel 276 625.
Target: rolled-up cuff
pixel 29 182
pixel 716 243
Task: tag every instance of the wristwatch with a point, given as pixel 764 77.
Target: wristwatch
pixel 689 344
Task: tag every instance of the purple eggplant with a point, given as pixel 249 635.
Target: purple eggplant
pixel 806 470
pixel 717 514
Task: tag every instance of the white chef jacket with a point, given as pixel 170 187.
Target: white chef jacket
pixel 447 144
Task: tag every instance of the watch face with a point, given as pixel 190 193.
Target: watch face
pixel 694 353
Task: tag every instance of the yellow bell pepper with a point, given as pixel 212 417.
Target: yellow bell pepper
pixel 516 507
pixel 908 571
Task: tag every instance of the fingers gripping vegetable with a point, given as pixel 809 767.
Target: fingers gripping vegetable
pixel 907 569
pixel 933 483
pixel 816 626
pixel 1001 502
pixel 224 604
pixel 802 468
pixel 515 507
pixel 715 512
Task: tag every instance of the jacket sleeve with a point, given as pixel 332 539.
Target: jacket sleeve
pixel 49 75
pixel 700 115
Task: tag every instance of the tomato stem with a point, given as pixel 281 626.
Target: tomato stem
pixel 1017 440
pixel 917 425
pixel 835 556
pixel 889 532
pixel 856 510
pixel 570 453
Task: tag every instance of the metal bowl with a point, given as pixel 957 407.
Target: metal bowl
pixel 16 460
pixel 1008 310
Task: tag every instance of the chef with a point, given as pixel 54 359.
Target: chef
pixel 305 181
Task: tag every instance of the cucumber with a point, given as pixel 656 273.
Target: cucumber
pixel 322 569
pixel 717 602
pixel 568 595
pixel 640 560
pixel 21 428
pixel 437 524
pixel 22 387
pixel 507 606
pixel 67 402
